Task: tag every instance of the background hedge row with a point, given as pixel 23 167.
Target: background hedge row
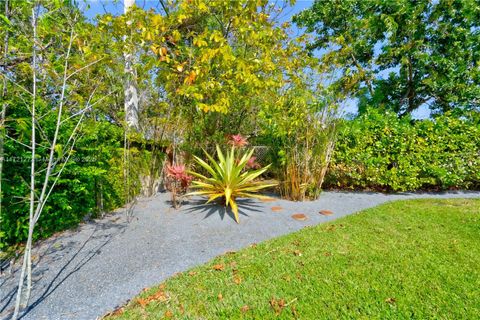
pixel 381 151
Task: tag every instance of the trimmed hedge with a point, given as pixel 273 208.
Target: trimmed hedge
pixel 92 183
pixel 380 151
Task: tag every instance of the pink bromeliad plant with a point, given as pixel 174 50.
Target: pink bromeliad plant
pixel 252 163
pixel 179 173
pixel 180 181
pixel 237 140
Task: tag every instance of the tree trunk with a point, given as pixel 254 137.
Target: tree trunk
pixel 36 206
pixel 4 109
pixel 131 105
pixel 131 92
pixel 411 88
pixel 27 258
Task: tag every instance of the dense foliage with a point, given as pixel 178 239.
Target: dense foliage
pixel 383 152
pixel 88 170
pixel 206 70
pixel 401 54
pixel 203 71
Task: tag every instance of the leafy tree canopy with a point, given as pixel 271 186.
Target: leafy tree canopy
pixel 400 54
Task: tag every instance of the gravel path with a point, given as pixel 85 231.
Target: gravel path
pixel 85 273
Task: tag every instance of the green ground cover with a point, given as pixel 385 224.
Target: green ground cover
pixel 402 260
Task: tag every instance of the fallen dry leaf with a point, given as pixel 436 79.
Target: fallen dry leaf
pixel 326 212
pixel 267 199
pixel 299 217
pixel 294 311
pixel 159 296
pixel 142 302
pixel 182 309
pixel 237 279
pixel 192 273
pixel 331 227
pixel 277 305
pixel 168 314
pixel 287 278
pixel 218 267
pixel 298 253
pixel 276 208
pixel 220 296
pixel 327 254
pixel 390 300
pixel 245 308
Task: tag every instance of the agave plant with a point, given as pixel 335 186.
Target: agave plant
pixel 228 179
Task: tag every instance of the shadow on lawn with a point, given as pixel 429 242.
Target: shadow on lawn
pixel 244 205
pixel 55 252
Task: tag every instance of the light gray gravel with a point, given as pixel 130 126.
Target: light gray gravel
pixel 85 273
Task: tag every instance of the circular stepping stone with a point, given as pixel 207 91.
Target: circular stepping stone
pixel 299 216
pixel 326 212
pixel 276 209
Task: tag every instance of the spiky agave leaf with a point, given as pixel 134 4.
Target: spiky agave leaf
pixel 227 179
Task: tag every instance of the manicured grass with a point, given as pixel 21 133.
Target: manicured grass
pixel 402 260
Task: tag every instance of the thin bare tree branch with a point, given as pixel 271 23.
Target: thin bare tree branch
pixel 27 258
pixel 82 68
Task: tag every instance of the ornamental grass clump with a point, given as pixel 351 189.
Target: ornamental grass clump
pixel 229 178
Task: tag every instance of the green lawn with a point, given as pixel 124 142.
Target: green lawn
pixel 402 260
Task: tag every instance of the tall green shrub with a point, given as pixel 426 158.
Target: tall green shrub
pixel 92 182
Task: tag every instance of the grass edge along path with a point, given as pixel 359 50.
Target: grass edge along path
pixel 410 259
